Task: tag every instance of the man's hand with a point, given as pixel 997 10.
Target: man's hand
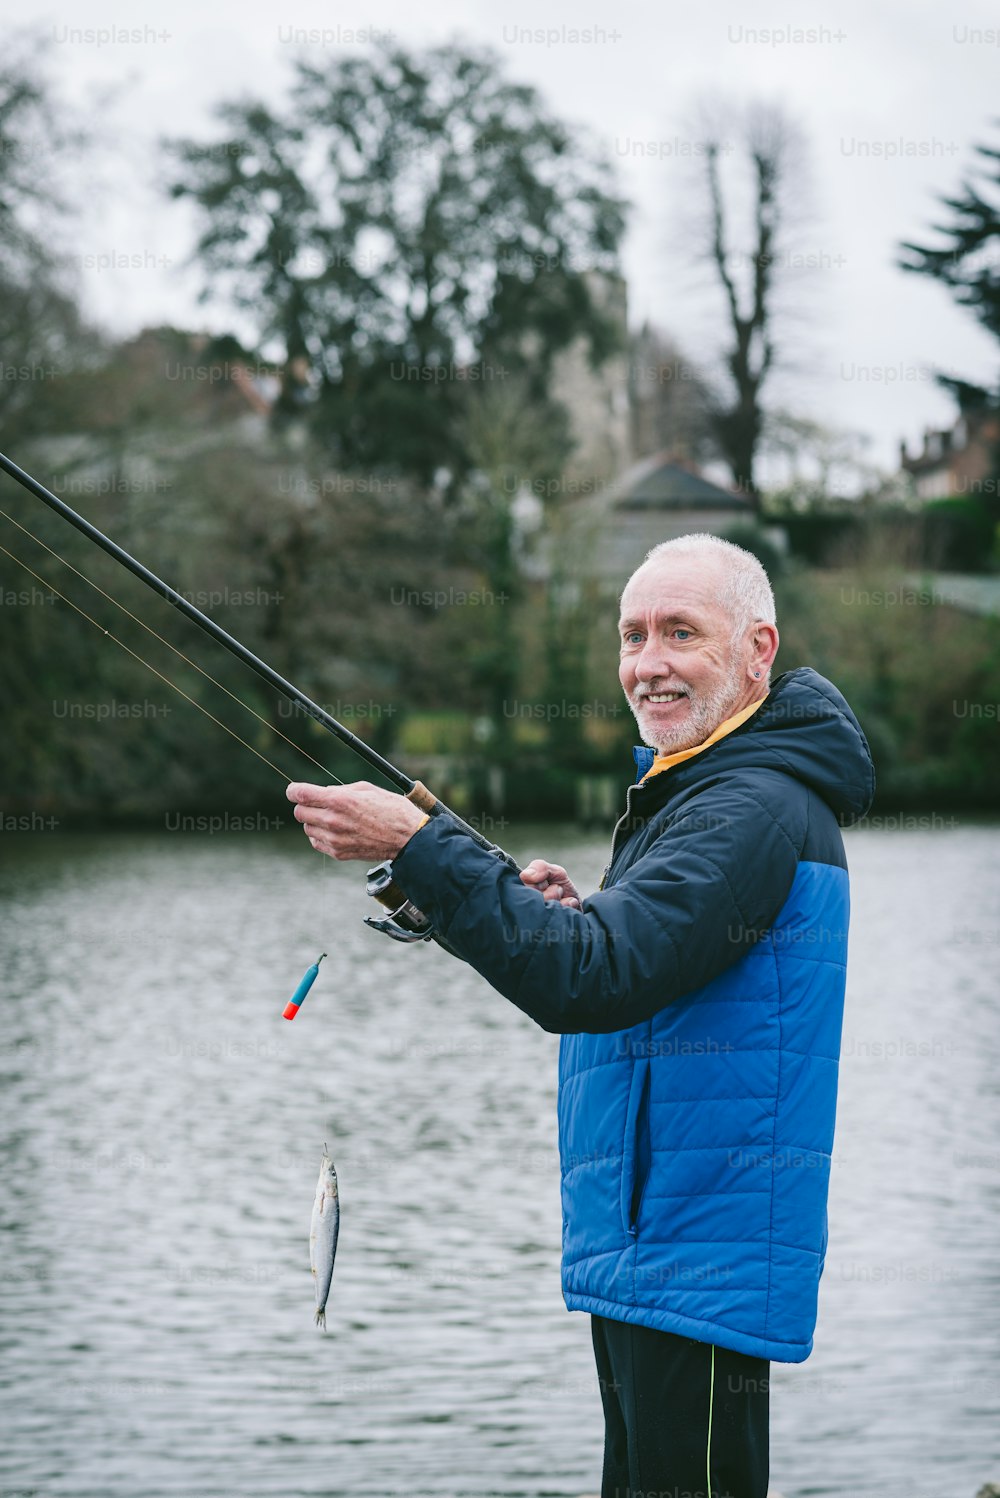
pixel 360 820
pixel 552 880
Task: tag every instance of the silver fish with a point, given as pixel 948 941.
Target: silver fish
pixel 323 1233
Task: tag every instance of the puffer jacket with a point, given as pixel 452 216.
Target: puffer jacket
pixel 699 994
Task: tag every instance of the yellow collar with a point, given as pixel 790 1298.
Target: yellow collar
pixel 665 761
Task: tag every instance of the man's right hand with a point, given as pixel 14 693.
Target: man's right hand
pixel 552 882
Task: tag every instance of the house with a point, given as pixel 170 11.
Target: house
pixel 609 532
pixel 162 396
pixel 958 460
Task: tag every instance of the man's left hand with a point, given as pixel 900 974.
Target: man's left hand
pixel 360 820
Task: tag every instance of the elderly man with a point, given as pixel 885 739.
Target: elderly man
pixel 699 994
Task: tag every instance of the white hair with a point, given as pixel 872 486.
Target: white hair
pixel 745 592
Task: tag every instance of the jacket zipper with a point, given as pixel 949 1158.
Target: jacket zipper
pixel 614 836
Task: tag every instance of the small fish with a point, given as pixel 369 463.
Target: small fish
pixel 323 1232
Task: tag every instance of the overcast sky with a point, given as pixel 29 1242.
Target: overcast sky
pixel 891 101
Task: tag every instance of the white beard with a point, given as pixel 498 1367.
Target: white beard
pixel 706 711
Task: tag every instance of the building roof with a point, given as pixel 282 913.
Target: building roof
pixel 657 483
pixel 955 460
pixel 609 532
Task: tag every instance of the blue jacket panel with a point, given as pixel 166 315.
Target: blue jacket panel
pixel 699 994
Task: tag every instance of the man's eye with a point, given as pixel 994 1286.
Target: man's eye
pixel 683 634
pixel 631 636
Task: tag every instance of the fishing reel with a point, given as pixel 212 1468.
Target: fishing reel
pixel 404 922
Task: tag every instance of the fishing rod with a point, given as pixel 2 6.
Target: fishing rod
pixel 404 922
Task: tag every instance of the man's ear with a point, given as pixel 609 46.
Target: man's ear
pixel 764 643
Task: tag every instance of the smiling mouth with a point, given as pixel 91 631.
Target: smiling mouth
pixel 659 698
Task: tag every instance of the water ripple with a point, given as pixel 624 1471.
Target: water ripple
pixel 163 1133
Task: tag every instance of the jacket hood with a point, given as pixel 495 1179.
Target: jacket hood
pixel 805 729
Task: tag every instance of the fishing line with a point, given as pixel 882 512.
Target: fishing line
pixel 292 1008
pixel 404 923
pixel 149 630
pixel 135 654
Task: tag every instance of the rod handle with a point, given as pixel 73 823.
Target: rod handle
pixel 422 797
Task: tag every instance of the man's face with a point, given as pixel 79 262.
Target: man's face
pixel 680 670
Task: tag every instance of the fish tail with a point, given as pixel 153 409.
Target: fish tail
pixel 321 1317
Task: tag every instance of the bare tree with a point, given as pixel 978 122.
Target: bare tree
pixel 751 165
pixel 820 462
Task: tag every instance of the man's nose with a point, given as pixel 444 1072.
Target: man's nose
pixel 654 660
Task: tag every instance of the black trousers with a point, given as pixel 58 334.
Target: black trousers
pixel 682 1419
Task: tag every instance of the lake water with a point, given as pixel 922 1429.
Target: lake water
pixel 163 1130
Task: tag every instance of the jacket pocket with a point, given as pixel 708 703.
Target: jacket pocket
pixel 634 1161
